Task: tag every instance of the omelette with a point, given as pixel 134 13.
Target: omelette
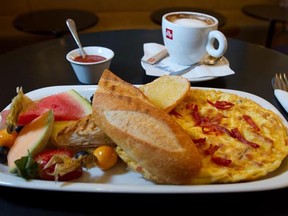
pixel 238 139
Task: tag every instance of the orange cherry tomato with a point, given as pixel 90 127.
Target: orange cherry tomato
pixel 106 157
pixel 7 139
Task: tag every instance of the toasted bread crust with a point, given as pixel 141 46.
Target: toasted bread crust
pixel 147 134
pixel 111 82
pixel 83 133
pixel 166 91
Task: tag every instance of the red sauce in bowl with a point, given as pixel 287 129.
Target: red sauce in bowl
pixel 89 58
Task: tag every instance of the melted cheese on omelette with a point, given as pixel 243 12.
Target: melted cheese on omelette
pixel 238 139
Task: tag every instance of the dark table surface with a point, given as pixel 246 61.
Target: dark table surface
pixel 53 21
pixel 267 12
pixel 271 13
pixel 44 64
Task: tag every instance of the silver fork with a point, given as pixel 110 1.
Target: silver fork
pixel 280 81
pixel 280 85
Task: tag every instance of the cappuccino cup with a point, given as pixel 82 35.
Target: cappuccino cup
pixel 190 37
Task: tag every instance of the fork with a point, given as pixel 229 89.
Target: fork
pixel 280 85
pixel 281 81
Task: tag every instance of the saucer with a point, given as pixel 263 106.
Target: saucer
pixel 196 74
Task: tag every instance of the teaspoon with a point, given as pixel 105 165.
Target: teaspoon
pixel 210 60
pixel 72 27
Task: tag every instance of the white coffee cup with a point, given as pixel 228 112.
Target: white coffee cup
pixel 189 37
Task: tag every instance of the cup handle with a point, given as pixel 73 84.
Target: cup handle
pixel 222 41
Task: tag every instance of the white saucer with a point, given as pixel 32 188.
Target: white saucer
pixel 196 74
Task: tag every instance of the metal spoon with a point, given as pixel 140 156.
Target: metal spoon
pixel 210 60
pixel 72 27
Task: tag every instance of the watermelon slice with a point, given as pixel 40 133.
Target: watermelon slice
pixel 68 105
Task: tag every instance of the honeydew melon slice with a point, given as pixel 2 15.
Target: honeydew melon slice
pixel 32 139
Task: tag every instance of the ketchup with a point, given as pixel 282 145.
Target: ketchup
pixel 89 58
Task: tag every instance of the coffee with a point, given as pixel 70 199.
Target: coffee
pixel 190 20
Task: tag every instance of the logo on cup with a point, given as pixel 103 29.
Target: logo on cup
pixel 169 34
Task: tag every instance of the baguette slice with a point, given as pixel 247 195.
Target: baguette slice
pixel 113 83
pixel 166 91
pixel 151 142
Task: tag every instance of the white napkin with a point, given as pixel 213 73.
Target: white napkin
pixel 165 66
pixel 282 97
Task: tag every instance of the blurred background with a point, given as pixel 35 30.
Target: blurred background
pixel 131 14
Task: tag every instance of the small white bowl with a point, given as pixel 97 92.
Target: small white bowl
pixel 90 72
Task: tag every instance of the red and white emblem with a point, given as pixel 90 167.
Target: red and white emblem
pixel 169 34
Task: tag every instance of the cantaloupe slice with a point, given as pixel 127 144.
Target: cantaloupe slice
pixel 32 139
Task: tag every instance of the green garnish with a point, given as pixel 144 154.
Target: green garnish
pixel 26 167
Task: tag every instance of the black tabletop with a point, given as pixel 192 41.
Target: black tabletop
pixel 268 12
pixel 53 21
pixel 44 64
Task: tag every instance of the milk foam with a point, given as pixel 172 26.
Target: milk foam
pixel 190 22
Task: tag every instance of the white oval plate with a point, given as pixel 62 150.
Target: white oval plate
pixel 121 180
